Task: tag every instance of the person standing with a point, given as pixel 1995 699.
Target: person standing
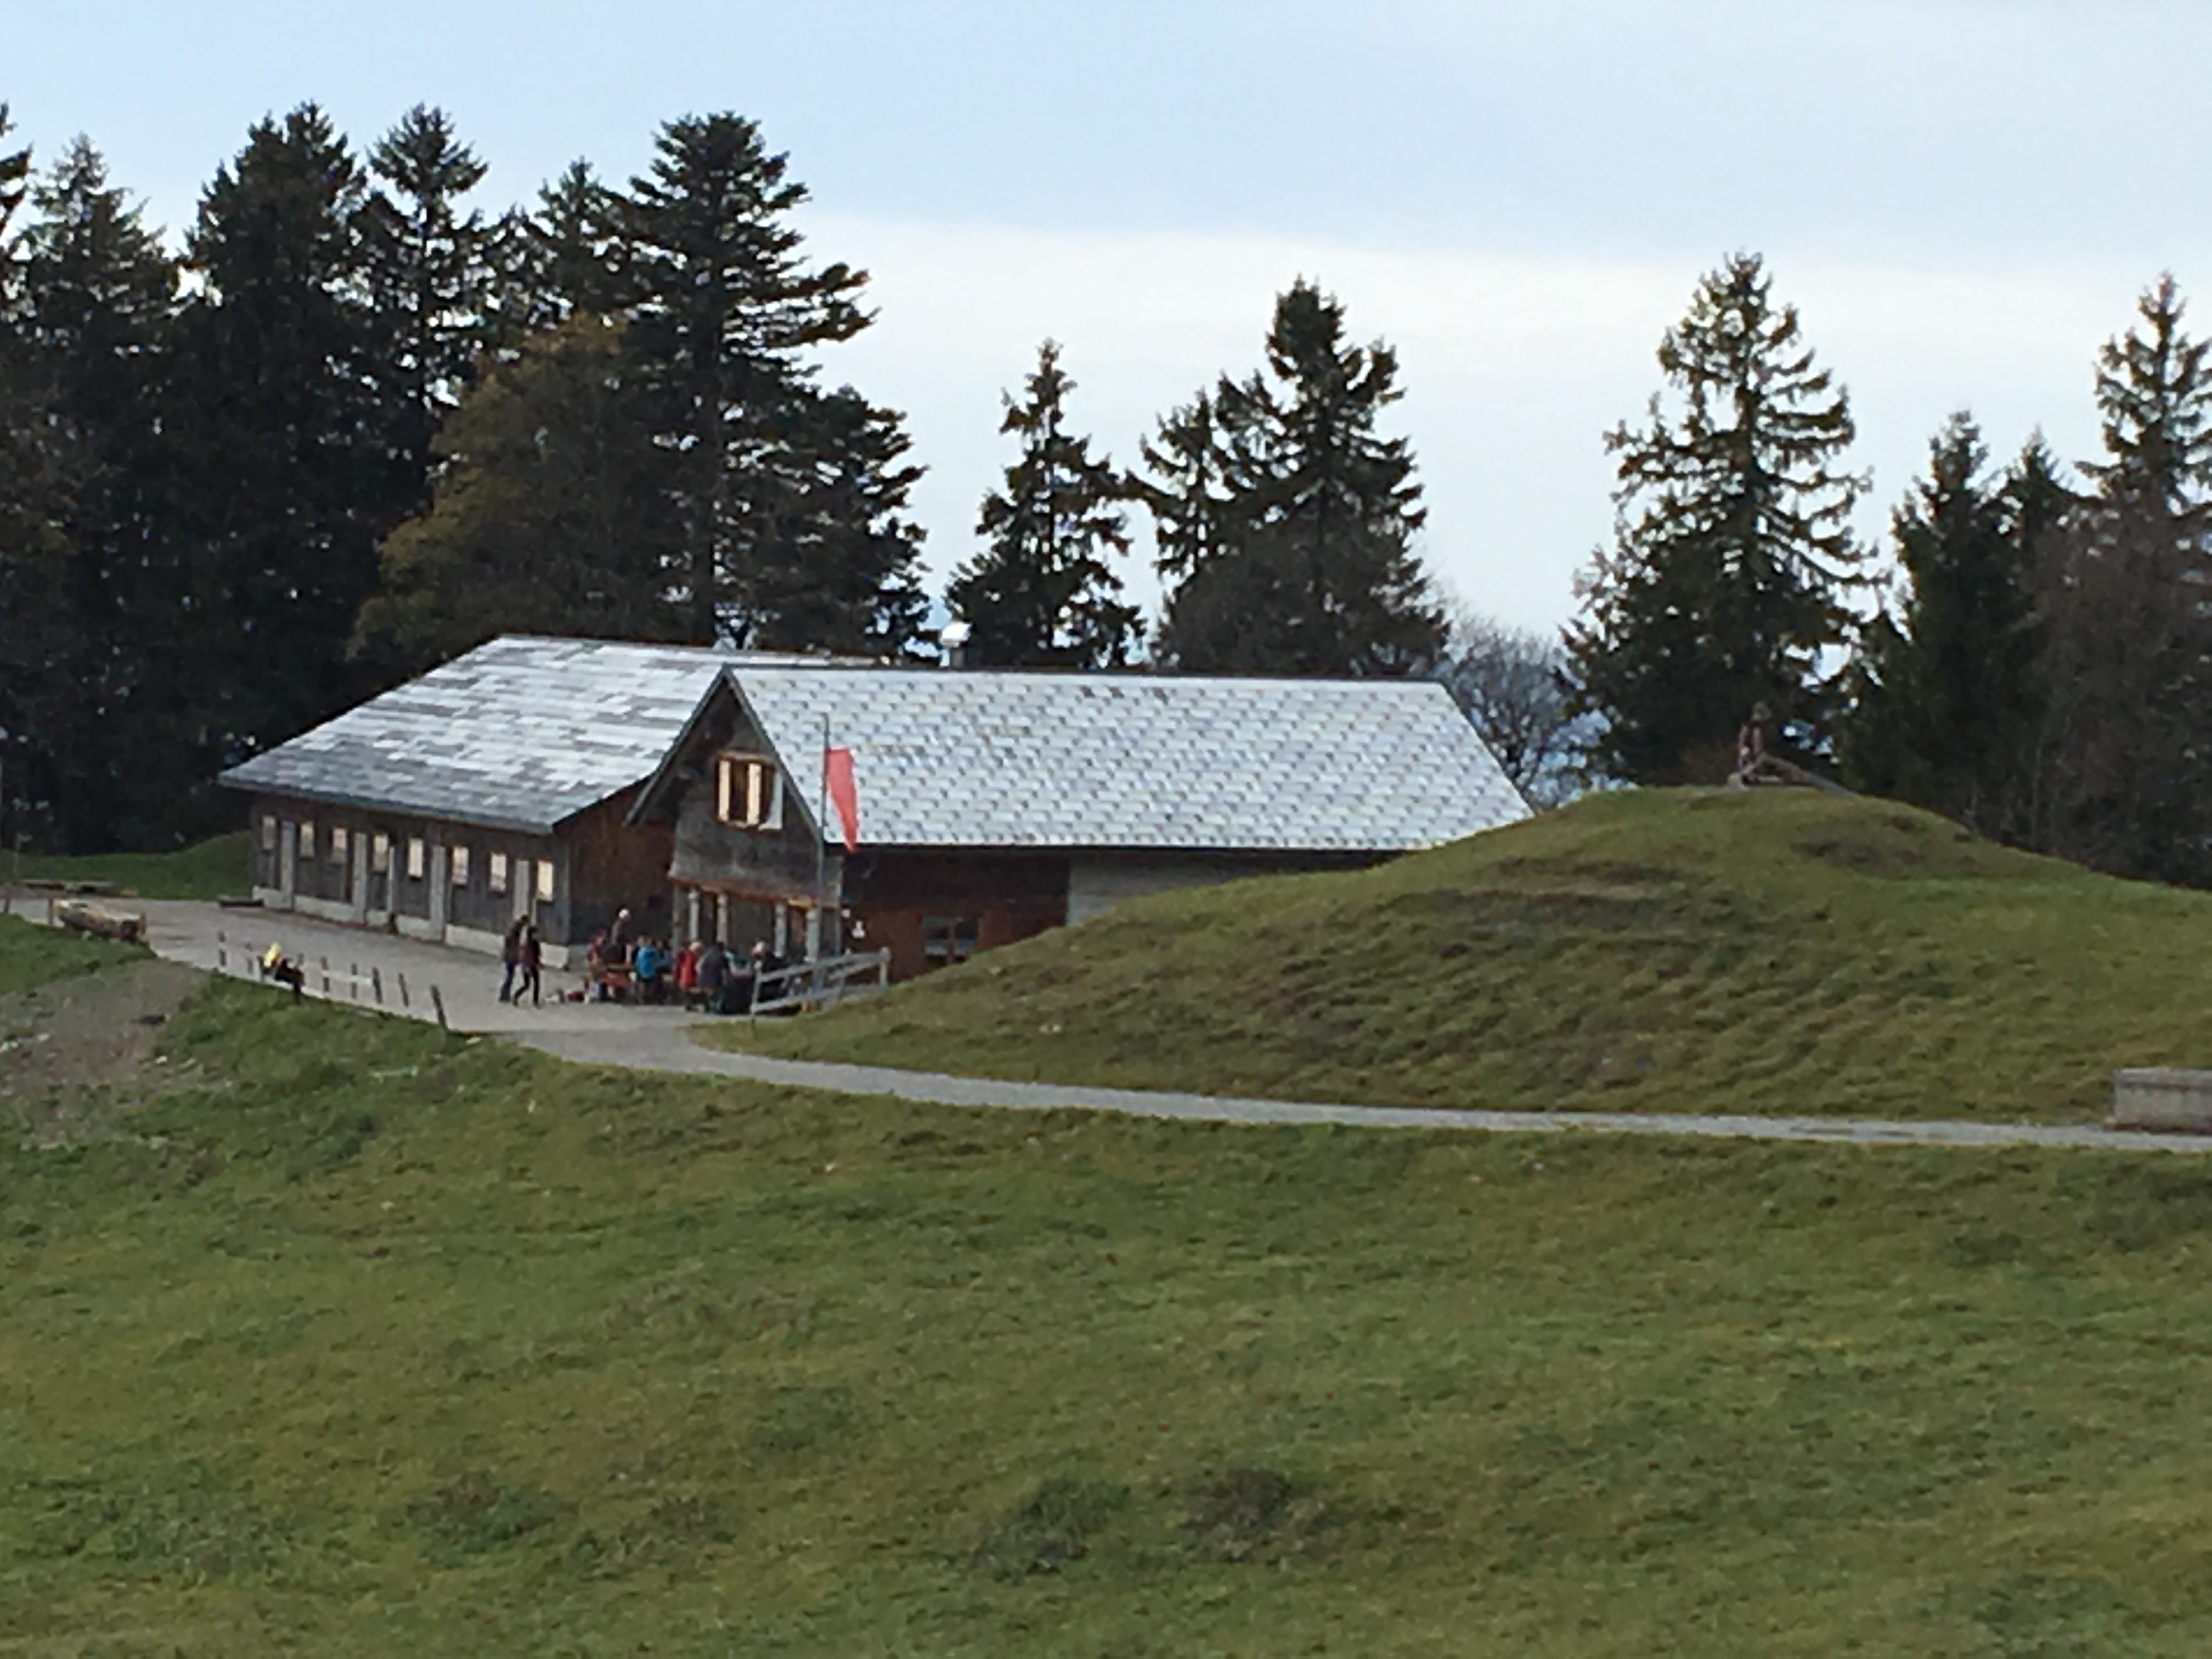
pixel 533 964
pixel 510 954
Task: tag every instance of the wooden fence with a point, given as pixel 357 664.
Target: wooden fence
pixel 806 985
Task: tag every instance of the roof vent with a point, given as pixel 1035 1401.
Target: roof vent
pixel 954 640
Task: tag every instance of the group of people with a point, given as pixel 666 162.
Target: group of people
pixel 705 974
pixel 523 954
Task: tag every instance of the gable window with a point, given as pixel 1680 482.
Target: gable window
pixel 338 843
pixel 746 793
pixel 380 853
pixel 307 838
pixel 417 855
pixel 496 873
pixel 948 940
pixel 460 866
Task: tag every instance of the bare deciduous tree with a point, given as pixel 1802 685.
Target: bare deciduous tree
pixel 1508 680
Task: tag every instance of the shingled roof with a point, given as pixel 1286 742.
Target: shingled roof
pixel 520 733
pixel 981 759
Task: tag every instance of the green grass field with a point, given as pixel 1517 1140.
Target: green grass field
pixel 207 870
pixel 366 1341
pixel 1771 951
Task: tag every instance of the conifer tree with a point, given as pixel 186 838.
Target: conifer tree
pixel 1312 568
pixel 551 514
pixel 88 632
pixel 1732 550
pixel 563 257
pixel 1042 593
pixel 1946 691
pixel 724 310
pixel 278 433
pixel 427 264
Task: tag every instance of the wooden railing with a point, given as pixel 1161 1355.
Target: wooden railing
pixel 805 985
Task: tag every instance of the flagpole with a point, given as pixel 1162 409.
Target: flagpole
pixel 822 853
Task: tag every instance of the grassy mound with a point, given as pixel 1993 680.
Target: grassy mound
pixel 365 1341
pixel 206 870
pixel 1775 951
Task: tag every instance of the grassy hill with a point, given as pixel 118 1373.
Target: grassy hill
pixel 206 870
pixel 347 1338
pixel 1773 951
pixel 351 1340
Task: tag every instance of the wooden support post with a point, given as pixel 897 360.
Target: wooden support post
pixel 376 979
pixel 403 992
pixel 353 981
pixel 325 964
pixel 438 1002
pixel 221 952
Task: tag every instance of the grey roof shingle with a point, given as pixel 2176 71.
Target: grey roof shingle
pixel 524 732
pixel 981 759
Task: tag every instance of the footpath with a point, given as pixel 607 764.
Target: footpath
pixel 659 1040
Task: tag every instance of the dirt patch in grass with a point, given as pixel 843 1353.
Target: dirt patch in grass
pixel 1049 1529
pixel 1258 1514
pixel 90 1032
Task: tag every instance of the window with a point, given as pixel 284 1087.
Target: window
pixel 268 834
pixel 417 855
pixel 948 940
pixel 338 843
pixel 307 838
pixel 496 873
pixel 460 866
pixel 380 853
pixel 746 794
pixel 545 882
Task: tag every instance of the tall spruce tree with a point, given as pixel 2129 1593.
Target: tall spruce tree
pixel 724 310
pixel 31 545
pixel 277 435
pixel 552 513
pixel 2125 765
pixel 1946 694
pixel 563 257
pixel 1732 551
pixel 1311 568
pixel 427 262
pixel 1042 594
pixel 87 636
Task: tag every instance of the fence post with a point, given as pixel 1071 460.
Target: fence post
pixel 353 981
pixel 403 992
pixel 324 962
pixel 376 981
pixel 438 1002
pixel 221 951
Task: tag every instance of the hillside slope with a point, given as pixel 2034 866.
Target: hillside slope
pixel 351 1340
pixel 1775 951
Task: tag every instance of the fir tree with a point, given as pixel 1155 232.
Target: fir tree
pixel 1042 593
pixel 2154 404
pixel 427 262
pixel 551 514
pixel 1732 553
pixel 838 571
pixel 564 256
pixel 1311 569
pixel 89 653
pixel 278 434
pixel 724 311
pixel 1946 688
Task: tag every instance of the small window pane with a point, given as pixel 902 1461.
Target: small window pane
pixel 307 838
pixel 545 881
pixel 268 834
pixel 948 940
pixel 380 853
pixel 339 842
pixel 497 872
pixel 460 866
pixel 415 854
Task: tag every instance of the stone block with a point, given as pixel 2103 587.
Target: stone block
pixel 2170 1097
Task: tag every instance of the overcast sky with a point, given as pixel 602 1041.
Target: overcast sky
pixel 1964 197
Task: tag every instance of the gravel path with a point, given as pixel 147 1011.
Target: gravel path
pixel 642 1050
pixel 657 1040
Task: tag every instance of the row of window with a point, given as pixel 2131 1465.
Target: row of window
pixel 501 875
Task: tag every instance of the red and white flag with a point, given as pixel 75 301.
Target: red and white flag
pixel 837 784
